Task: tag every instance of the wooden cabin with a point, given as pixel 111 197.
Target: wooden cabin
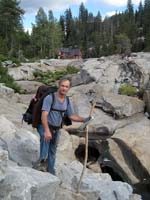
pixel 69 53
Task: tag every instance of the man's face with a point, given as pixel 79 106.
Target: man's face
pixel 64 87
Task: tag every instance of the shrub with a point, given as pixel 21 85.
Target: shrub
pixel 8 80
pixel 2 58
pixel 49 77
pixel 16 61
pixel 140 93
pixel 72 70
pixel 127 89
pixel 38 74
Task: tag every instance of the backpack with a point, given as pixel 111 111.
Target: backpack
pixel 33 113
pixel 27 116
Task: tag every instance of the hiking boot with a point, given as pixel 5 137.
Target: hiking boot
pixel 41 165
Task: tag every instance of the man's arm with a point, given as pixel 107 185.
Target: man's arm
pixel 76 118
pixel 47 133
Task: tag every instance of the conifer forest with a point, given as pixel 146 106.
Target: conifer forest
pixel 125 32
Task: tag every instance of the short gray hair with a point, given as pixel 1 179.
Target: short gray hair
pixel 64 79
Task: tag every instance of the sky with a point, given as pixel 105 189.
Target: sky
pixel 106 8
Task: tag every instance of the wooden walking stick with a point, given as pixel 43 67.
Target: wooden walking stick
pixel 85 159
pixel 86 149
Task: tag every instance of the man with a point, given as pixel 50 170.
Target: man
pixel 52 119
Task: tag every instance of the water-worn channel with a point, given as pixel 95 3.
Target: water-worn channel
pixel 108 165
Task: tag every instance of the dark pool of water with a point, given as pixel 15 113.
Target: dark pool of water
pixel 143 190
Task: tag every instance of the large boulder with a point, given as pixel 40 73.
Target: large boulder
pixel 21 73
pixel 94 185
pixel 30 87
pixel 135 137
pixel 26 70
pixel 8 64
pixel 112 71
pixel 66 142
pixel 112 111
pixel 146 99
pixel 22 145
pixel 120 106
pixel 6 90
pixel 13 108
pixel 3 164
pixel 128 152
pixel 61 63
pixel 28 184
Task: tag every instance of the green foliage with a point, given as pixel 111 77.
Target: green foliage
pixel 11 24
pixel 2 58
pixel 121 33
pixel 46 37
pixel 8 80
pixel 127 89
pixel 3 46
pixel 16 61
pixel 123 44
pixel 72 70
pixel 50 78
pixel 140 93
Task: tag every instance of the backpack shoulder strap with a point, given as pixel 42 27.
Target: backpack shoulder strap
pixel 68 100
pixel 53 99
pixel 53 102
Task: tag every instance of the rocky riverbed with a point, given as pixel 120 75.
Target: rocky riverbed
pixel 118 164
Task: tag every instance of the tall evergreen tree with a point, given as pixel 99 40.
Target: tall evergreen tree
pixel 127 24
pixel 63 27
pixel 83 26
pixel 51 16
pixel 94 36
pixel 123 44
pixel 46 35
pixel 41 18
pixel 147 24
pixel 10 22
pixel 130 20
pixel 98 22
pixel 40 33
pixel 68 28
pixel 139 19
pixel 140 15
pixel 130 9
pixel 54 36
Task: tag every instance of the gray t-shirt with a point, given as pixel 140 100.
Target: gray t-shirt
pixel 55 117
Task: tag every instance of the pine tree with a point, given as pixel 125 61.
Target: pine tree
pixel 10 23
pixel 54 36
pixel 130 26
pixel 68 28
pixel 139 19
pixel 40 32
pixel 123 44
pixel 46 35
pixel 83 26
pixel 147 24
pixel 63 28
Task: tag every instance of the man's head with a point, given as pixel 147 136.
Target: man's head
pixel 64 86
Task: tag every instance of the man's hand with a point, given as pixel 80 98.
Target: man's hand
pixel 87 119
pixel 47 133
pixel 47 136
